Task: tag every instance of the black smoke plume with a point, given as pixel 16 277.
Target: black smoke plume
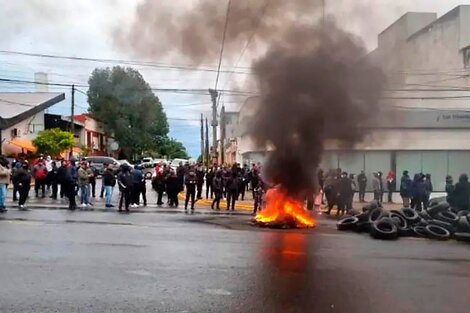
pixel 314 80
pixel 315 86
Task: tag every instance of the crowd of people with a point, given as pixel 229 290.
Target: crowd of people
pixel 76 179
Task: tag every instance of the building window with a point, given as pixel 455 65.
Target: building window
pixel 466 57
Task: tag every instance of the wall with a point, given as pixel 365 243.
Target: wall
pixel 27 129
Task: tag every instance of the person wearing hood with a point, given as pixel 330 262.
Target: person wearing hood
pixel 405 189
pixel 5 174
pixel 391 185
pixel 449 189
pixel 345 193
pixel 418 192
pixel 461 193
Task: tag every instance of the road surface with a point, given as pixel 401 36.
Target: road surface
pixel 59 261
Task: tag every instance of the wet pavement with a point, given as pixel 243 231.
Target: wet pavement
pixel 60 261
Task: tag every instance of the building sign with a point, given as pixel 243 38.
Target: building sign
pixel 422 119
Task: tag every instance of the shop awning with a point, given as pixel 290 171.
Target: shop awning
pixel 23 144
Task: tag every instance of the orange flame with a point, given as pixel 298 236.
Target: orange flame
pixel 281 208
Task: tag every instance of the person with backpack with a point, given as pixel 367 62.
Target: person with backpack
pixel 405 189
pixel 217 187
pixel 232 185
pixel 23 179
pixel 109 181
pixel 5 174
pixel 40 178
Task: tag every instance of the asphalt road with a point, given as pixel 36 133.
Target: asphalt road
pixel 58 261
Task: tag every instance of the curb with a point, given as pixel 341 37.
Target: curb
pixel 223 203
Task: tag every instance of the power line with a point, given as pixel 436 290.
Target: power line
pixel 223 43
pixel 127 62
pixel 248 42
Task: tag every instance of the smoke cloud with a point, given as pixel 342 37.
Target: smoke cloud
pixel 315 85
pixel 314 81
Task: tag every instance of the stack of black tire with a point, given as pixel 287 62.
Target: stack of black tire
pixel 439 221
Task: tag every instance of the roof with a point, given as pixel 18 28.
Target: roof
pixel 81 117
pixel 17 106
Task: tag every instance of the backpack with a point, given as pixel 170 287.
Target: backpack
pixel 41 173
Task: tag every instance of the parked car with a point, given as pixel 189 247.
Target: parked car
pixel 176 162
pixel 99 161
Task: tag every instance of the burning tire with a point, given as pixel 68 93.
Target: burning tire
pixel 347 223
pixel 436 208
pixel 420 231
pixel 447 216
pixel 463 225
pixel 437 232
pixel 384 229
pixel 410 215
pixel 375 215
pixel 462 237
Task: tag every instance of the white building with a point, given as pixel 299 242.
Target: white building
pixel 426 118
pixel 22 118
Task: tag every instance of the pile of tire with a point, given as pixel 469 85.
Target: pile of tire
pixel 439 222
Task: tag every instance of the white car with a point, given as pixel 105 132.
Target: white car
pixel 176 162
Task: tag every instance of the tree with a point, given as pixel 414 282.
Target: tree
pixel 125 105
pixel 53 141
pixel 171 148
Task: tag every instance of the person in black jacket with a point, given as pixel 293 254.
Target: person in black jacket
pixel 190 180
pixel 405 189
pixel 209 179
pixel 109 181
pixel 23 178
pixel 200 180
pixel 60 177
pixel 217 187
pixel 450 189
pixel 362 184
pixel 232 184
pixel 126 182
pixel 345 193
pixel 461 194
pixel 52 179
pixel 158 184
pixel 180 174
pixel 172 188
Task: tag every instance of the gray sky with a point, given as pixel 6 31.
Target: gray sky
pixel 84 28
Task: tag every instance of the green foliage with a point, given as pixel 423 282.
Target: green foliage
pixel 123 102
pixel 171 148
pixel 53 141
pixel 84 150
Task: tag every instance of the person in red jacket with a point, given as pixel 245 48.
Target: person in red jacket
pixel 391 185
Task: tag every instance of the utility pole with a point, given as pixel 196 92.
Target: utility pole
pixel 222 135
pixel 72 120
pixel 214 123
pixel 202 140
pixel 208 157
